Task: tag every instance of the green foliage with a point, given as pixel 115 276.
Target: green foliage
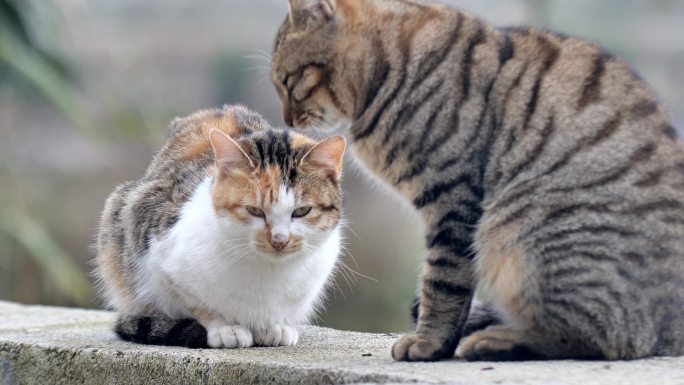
pixel 25 61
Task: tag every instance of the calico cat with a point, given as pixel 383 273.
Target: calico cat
pixel 228 239
pixel 544 168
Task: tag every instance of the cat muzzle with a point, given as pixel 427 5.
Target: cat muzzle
pixel 279 241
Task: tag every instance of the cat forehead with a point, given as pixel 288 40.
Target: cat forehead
pixel 277 153
pixel 276 148
pixel 284 202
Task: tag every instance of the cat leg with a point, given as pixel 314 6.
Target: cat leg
pixel 446 294
pixel 277 335
pixel 221 334
pixel 481 316
pixel 503 343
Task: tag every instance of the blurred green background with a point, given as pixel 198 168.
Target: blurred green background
pixel 87 88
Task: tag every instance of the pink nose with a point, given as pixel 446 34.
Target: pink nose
pixel 279 241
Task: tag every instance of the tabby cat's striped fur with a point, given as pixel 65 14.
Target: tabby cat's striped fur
pixel 544 168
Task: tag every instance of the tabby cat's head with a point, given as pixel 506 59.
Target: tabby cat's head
pixel 323 61
pixel 279 190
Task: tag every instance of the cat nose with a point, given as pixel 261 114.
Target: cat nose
pixel 279 241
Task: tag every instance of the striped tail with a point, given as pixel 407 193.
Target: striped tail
pixel 161 330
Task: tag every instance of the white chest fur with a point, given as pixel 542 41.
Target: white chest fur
pixel 207 262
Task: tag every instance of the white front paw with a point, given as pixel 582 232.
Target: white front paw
pixel 277 335
pixel 229 336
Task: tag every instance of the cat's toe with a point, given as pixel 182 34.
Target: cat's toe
pixel 235 336
pixel 214 338
pixel 481 347
pixel 289 336
pixel 495 346
pixel 244 337
pixel 273 336
pixel 413 348
pixel 277 335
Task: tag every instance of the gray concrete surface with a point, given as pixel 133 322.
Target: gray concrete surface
pixel 49 345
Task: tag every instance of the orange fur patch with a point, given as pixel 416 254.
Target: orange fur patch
pixel 196 143
pixel 298 141
pixel 503 268
pixel 238 188
pixel 112 272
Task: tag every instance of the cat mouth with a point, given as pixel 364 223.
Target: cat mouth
pixel 278 255
pixel 321 123
pixel 307 119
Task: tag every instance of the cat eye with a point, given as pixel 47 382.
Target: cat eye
pixel 300 212
pixel 255 211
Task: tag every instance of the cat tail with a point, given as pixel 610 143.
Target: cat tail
pixel 481 316
pixel 161 330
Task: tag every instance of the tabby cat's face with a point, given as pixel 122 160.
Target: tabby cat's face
pixel 280 191
pixel 318 63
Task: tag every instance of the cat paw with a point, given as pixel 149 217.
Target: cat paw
pixel 277 335
pixel 229 336
pixel 496 345
pixel 413 348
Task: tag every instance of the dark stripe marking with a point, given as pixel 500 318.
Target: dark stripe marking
pixel 436 191
pixel 449 288
pixel 591 92
pixel 455 244
pixel 604 133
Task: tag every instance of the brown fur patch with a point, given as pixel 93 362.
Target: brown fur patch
pixel 268 185
pixel 112 272
pixel 300 141
pixel 196 143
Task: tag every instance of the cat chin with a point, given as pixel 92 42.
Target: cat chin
pixel 330 125
pixel 277 258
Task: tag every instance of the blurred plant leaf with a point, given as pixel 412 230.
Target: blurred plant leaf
pixel 35 238
pixel 37 66
pixel 24 58
pixel 49 81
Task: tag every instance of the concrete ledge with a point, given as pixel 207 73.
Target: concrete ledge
pixel 48 345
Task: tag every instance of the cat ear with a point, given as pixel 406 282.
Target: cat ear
pixel 328 154
pixel 306 14
pixel 227 152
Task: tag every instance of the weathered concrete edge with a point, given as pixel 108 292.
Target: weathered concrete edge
pixel 48 345
pixel 24 364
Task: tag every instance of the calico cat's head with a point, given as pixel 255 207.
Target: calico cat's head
pixel 280 190
pixel 324 61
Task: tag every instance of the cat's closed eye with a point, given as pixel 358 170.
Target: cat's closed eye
pixel 255 211
pixel 301 212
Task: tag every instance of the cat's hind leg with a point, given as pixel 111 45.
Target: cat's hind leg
pixel 503 343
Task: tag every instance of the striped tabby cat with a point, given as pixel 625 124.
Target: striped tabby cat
pixel 544 168
pixel 228 239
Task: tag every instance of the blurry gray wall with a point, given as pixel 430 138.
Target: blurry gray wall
pixel 137 64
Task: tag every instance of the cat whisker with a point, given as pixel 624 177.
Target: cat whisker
pixel 345 275
pixel 260 57
pixel 258 68
pixel 263 79
pixel 336 286
pixel 360 274
pixel 343 223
